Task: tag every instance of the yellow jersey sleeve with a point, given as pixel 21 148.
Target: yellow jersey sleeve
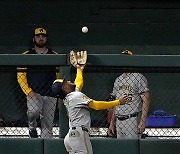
pixel 22 80
pixel 102 105
pixel 79 79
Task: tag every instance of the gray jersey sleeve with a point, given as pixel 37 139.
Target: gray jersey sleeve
pixel 115 90
pixel 142 83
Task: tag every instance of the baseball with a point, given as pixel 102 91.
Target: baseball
pixel 84 29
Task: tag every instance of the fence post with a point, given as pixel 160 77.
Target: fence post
pixel 63 118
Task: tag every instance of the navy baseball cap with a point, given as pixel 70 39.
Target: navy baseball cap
pixel 57 88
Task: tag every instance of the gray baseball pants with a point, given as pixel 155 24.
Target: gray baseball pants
pixel 43 107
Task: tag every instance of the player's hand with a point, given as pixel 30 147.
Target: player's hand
pixel 111 130
pixel 80 66
pixel 32 95
pixel 124 100
pixel 141 127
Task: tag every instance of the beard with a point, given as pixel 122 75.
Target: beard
pixel 40 44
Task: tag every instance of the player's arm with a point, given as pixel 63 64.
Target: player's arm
pixel 111 130
pixel 102 105
pixel 57 73
pixel 113 118
pixel 145 108
pixel 145 105
pixel 79 78
pixel 22 80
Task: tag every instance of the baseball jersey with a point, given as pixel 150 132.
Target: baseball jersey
pixel 78 111
pixel 132 85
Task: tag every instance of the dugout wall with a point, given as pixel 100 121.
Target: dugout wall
pixel 146 27
pixel 100 146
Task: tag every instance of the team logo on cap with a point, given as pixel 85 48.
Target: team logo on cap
pixel 41 30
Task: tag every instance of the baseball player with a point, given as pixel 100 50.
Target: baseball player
pixel 36 85
pixel 77 139
pixel 129 120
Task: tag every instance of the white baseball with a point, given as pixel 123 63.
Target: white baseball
pixel 84 29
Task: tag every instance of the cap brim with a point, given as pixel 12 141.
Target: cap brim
pixel 40 34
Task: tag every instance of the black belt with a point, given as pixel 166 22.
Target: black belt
pixel 83 128
pixel 124 117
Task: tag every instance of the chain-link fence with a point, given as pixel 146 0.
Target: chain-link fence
pixel 163 113
pixel 23 110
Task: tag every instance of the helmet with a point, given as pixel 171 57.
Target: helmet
pixel 57 88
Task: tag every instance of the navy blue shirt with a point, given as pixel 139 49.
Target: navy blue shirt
pixel 41 78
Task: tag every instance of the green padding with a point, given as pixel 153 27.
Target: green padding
pixel 100 146
pixel 114 146
pixel 54 146
pixel 159 147
pixel 32 60
pixel 21 146
pixel 134 60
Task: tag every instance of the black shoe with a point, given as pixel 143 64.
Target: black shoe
pixel 33 133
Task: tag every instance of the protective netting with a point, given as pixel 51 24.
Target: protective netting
pixel 163 114
pixel 14 113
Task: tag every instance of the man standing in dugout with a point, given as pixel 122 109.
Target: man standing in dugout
pixel 36 84
pixel 128 121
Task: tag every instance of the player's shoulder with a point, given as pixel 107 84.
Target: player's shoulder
pixel 55 52
pixel 119 78
pixel 29 51
pixel 141 75
pixel 50 51
pixel 75 94
pixel 25 52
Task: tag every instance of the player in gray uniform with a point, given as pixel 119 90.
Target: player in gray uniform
pixel 77 139
pixel 129 120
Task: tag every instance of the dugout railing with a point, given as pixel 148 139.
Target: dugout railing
pixel 162 73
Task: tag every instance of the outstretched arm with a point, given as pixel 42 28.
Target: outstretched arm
pixel 79 77
pixel 102 105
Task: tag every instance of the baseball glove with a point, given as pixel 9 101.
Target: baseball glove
pixel 81 57
pixel 73 58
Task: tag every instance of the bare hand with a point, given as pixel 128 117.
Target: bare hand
pixel 111 130
pixel 124 100
pixel 141 127
pixel 32 95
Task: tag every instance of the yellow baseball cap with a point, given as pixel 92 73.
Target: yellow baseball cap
pixel 40 31
pixel 127 52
